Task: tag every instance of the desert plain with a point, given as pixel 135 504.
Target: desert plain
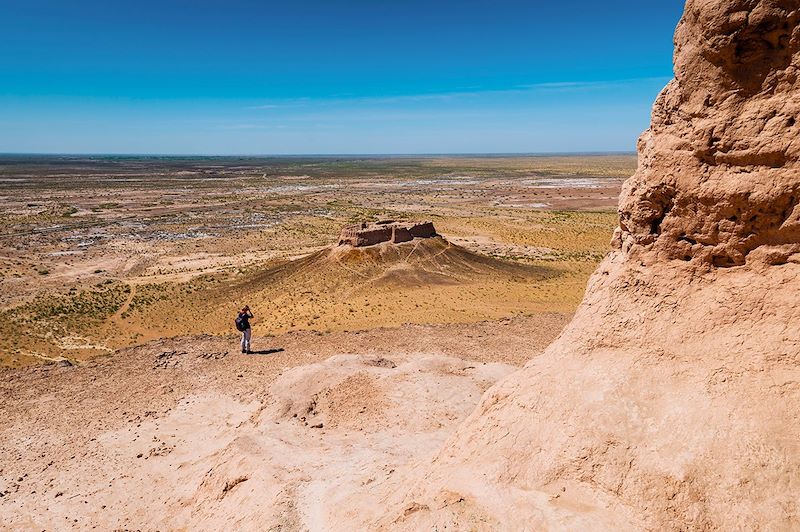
pixel 102 253
pixel 123 382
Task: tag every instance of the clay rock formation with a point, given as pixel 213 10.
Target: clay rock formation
pixel 672 400
pixel 718 169
pixel 369 234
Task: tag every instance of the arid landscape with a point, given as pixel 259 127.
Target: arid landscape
pixel 477 343
pixel 102 253
pixel 122 278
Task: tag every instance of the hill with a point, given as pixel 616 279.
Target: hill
pixel 348 288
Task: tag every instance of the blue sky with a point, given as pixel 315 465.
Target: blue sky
pixel 301 77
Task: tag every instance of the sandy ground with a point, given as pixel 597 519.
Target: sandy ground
pixel 177 433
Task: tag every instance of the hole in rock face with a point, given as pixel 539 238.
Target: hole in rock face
pixel 655 223
pixel 655 226
pixel 659 202
pixel 687 258
pixel 790 122
pixel 733 218
pixel 723 261
pixel 787 212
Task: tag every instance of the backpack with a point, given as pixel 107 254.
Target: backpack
pixel 239 323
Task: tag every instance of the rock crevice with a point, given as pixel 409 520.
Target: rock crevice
pixel 718 173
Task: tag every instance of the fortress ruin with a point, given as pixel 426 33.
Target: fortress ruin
pixel 372 233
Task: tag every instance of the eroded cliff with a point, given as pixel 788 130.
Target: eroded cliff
pixel 672 399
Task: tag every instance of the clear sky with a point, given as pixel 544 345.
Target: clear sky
pixel 330 76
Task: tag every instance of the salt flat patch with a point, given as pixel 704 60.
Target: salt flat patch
pixel 447 181
pixel 281 189
pixel 534 205
pixel 570 182
pixel 425 182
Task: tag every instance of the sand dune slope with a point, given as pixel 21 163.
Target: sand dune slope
pixel 416 264
pixel 344 288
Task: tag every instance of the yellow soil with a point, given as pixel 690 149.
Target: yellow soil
pixel 88 270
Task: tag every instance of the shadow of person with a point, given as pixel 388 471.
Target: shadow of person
pixel 268 351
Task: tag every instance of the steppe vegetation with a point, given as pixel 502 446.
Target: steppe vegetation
pixel 100 253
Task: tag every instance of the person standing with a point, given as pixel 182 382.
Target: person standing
pixel 243 325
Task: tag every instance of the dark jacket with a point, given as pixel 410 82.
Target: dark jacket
pixel 245 318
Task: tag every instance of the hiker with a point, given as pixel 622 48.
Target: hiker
pixel 243 325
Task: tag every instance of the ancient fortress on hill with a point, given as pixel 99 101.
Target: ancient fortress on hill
pixel 372 233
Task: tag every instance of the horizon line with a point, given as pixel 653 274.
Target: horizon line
pixel 354 154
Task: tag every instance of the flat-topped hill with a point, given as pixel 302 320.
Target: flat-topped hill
pixel 426 279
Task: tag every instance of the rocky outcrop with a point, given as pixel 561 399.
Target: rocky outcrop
pixel 373 233
pixel 718 169
pixel 672 400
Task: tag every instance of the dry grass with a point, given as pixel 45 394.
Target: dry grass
pixel 116 253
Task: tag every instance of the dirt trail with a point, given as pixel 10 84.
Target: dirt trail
pixel 117 317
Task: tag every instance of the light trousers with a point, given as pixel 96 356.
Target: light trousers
pixel 246 339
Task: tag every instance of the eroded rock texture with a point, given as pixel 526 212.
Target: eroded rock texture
pixel 718 171
pixel 672 400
